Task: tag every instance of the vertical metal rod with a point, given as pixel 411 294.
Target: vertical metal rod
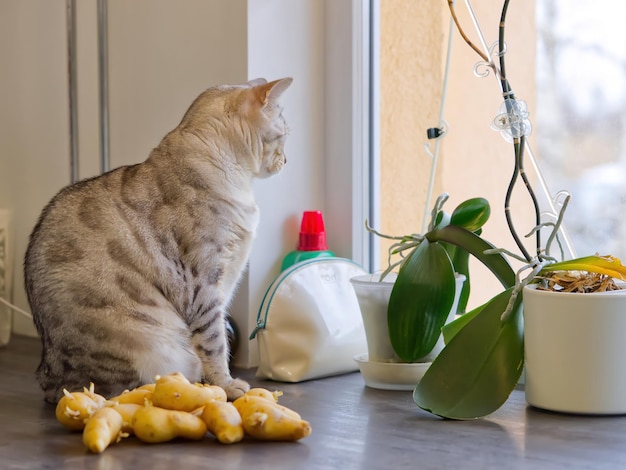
pixel 372 34
pixel 73 100
pixel 103 76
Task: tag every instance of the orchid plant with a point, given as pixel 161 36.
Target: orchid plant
pixel 484 354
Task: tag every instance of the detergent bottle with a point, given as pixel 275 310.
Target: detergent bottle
pixel 312 241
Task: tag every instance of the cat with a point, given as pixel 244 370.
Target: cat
pixel 129 274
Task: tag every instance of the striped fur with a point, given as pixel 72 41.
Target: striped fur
pixel 129 274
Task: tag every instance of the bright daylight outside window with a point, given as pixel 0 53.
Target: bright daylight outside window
pixel 581 119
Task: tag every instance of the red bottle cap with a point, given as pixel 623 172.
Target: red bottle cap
pixel 312 233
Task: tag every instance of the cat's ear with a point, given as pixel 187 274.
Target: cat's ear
pixel 271 91
pixel 256 82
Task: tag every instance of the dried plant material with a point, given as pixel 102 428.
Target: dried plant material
pixel 577 281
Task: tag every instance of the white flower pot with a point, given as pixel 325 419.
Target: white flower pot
pixel 575 349
pixel 373 297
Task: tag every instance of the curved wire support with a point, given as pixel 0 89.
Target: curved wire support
pixel 495 51
pixel 557 202
pixel 483 68
pixel 561 199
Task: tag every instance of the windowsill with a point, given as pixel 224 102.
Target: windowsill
pixel 353 427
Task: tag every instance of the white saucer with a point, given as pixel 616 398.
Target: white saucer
pixel 391 375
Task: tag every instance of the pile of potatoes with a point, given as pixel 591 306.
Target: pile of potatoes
pixel 173 407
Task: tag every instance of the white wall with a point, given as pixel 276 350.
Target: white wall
pixel 313 42
pixel 161 55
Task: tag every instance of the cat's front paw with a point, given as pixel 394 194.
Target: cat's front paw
pixel 236 388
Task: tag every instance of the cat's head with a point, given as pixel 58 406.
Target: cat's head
pixel 249 118
pixel 261 104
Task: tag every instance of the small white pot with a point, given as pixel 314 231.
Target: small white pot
pixel 373 297
pixel 575 349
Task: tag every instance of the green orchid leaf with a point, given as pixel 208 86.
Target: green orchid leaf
pixel 472 243
pixel 476 246
pixel 471 214
pixel 477 371
pixel 460 262
pixel 450 329
pixel 420 301
pixel 608 265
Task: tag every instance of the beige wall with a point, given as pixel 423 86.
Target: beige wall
pixel 411 76
pixel 474 160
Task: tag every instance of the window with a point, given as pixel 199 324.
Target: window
pixel 566 59
pixel 474 160
pixel 581 123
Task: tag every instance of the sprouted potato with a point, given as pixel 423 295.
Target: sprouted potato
pixel 173 407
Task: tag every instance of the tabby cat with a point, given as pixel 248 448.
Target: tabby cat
pixel 129 274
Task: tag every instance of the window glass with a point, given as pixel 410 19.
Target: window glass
pixel 580 119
